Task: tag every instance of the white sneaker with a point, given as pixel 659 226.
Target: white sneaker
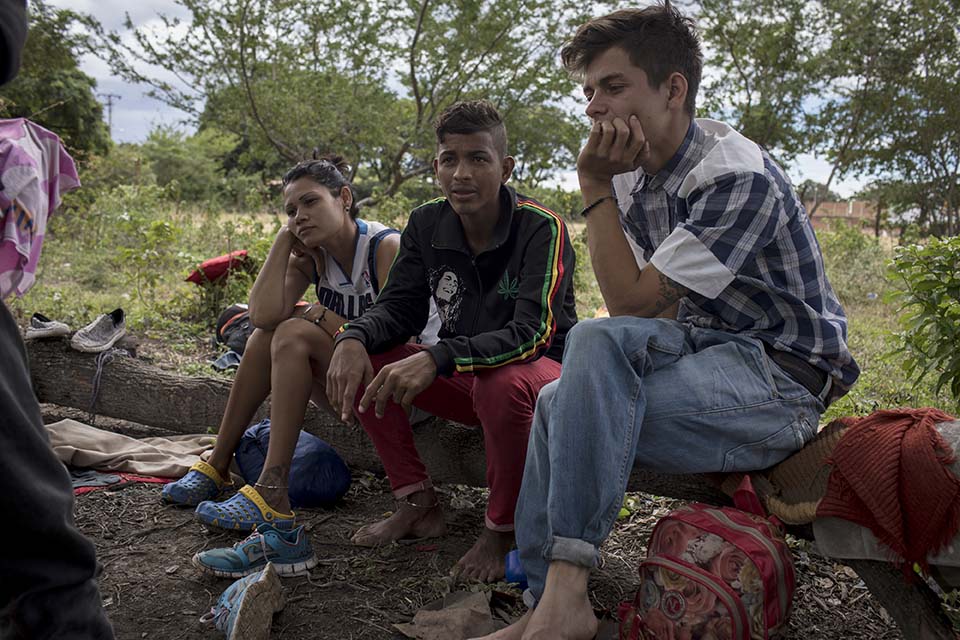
pixel 101 334
pixel 43 327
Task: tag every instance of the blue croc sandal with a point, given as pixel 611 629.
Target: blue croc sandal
pixel 244 511
pixel 201 483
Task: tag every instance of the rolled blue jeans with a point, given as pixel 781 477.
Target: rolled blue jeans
pixel 656 393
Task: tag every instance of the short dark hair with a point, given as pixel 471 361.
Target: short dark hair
pixel 470 117
pixel 659 39
pixel 328 171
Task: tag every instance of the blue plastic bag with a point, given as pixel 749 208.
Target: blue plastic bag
pixel 318 475
pixel 514 570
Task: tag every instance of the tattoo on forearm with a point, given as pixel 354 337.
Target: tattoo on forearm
pixel 668 292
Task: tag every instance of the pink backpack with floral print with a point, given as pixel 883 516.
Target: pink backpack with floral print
pixel 712 574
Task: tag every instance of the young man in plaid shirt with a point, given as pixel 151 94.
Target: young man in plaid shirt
pixel 725 341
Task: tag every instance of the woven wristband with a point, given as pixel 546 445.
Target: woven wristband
pixel 593 204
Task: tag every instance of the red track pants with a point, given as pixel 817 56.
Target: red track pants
pixel 500 400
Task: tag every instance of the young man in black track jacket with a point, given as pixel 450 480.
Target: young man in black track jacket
pixel 499 267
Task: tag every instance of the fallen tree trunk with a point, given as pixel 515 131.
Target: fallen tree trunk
pixel 131 390
pixel 913 606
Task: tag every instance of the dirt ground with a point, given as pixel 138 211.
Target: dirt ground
pixel 151 590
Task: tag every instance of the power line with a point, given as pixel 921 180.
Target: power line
pixel 109 99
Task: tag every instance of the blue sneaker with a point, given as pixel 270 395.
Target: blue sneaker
pixel 245 610
pixel 244 511
pixel 201 483
pixel 288 551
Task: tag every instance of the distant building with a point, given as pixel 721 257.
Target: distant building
pixel 860 213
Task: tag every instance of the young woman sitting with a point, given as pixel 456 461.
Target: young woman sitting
pixel 347 260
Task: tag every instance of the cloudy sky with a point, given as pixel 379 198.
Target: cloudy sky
pixel 135 114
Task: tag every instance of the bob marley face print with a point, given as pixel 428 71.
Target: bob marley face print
pixel 447 289
pixel 447 286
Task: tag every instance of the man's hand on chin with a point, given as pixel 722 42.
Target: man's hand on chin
pixel 614 146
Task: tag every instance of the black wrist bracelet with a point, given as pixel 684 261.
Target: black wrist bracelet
pixel 593 204
pixel 315 321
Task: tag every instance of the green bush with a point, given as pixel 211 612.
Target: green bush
pixel 393 211
pixel 565 203
pixel 246 192
pixel 855 263
pixel 190 167
pixel 929 299
pixel 123 165
pixel 585 285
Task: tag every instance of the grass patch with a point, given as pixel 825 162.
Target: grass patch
pixel 883 383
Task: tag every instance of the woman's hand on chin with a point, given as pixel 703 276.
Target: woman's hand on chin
pixel 297 248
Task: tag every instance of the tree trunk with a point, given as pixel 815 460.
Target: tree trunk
pixel 131 390
pixel 913 606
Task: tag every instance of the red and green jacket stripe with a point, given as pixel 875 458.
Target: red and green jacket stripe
pixel 553 277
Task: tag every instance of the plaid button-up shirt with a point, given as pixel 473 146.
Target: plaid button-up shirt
pixel 722 219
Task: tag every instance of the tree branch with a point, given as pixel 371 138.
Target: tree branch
pixel 414 84
pixel 851 131
pixel 281 147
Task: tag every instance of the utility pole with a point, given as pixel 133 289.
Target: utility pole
pixel 109 99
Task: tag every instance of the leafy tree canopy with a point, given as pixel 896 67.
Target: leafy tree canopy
pixel 762 67
pixel 868 85
pixel 365 79
pixel 50 88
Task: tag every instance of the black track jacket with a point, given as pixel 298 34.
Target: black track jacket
pixel 511 303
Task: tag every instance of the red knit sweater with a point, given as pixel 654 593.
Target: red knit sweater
pixel 891 474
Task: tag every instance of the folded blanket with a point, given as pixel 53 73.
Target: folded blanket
pixel 80 445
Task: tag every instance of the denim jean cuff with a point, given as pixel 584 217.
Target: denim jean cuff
pixel 574 551
pixel 529 599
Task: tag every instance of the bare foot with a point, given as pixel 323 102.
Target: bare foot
pixel 564 611
pixel 418 516
pixel 513 632
pixel 485 559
